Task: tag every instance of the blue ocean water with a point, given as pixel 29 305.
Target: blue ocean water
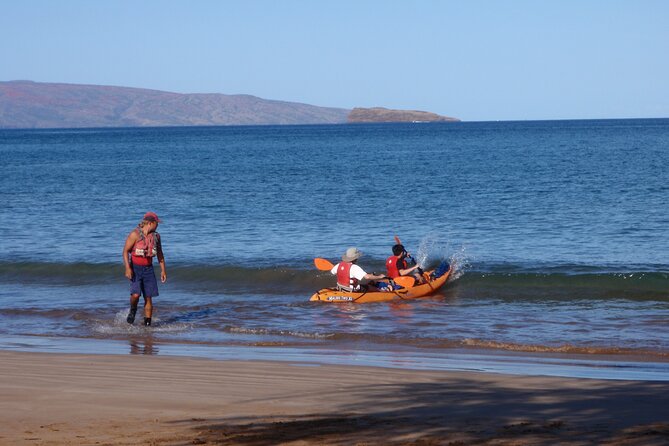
pixel 558 230
pixel 557 192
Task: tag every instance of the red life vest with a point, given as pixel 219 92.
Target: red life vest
pixel 391 266
pixel 344 278
pixel 145 248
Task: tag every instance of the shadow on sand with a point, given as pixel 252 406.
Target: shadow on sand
pixel 460 412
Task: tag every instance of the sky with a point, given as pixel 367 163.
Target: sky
pixel 477 60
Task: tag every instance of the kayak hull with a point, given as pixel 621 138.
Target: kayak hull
pixel 332 295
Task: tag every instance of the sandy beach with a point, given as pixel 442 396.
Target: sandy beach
pixel 55 399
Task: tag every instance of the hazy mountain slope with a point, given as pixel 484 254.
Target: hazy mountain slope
pixel 26 104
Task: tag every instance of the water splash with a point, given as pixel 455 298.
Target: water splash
pixel 119 325
pixel 425 247
pixel 432 248
pixel 460 261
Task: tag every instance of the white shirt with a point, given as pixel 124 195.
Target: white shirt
pixel 356 272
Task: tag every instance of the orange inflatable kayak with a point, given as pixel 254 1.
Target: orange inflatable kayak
pixel 438 278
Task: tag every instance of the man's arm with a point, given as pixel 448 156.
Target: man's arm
pixel 129 243
pixel 405 272
pixel 360 274
pixel 161 262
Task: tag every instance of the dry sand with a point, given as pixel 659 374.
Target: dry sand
pixel 56 399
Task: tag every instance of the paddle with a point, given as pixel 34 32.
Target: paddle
pixel 409 256
pixel 323 264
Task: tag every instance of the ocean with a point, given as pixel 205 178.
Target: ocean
pixel 557 232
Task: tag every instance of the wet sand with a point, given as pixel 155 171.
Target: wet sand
pixel 55 399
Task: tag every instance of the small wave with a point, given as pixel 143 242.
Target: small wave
pixel 270 332
pixel 560 285
pixel 71 274
pixel 564 348
pixel 508 281
pixel 370 340
pixel 49 313
pixel 211 278
pixel 282 337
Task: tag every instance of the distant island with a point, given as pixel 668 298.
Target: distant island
pixel 28 104
pixel 380 114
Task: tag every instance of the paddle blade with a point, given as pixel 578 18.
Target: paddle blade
pixel 397 240
pixel 323 264
pixel 405 281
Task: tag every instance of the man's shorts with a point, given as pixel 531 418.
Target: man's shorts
pixel 144 281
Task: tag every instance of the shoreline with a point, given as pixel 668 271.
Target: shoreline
pixel 82 399
pixel 604 367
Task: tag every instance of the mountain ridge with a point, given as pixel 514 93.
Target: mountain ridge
pixel 29 104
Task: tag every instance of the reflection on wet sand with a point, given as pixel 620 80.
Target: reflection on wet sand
pixel 143 346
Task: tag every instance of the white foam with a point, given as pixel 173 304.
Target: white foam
pixel 265 331
pixel 119 325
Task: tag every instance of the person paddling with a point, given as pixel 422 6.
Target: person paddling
pixel 349 274
pixel 141 246
pixel 397 266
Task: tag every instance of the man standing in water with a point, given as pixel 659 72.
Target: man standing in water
pixel 141 246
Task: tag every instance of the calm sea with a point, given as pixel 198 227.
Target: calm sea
pixel 558 230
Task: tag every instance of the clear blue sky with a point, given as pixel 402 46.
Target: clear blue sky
pixel 473 59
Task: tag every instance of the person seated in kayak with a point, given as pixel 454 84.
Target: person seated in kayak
pixel 349 274
pixel 397 265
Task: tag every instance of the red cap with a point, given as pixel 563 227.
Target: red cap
pixel 151 216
